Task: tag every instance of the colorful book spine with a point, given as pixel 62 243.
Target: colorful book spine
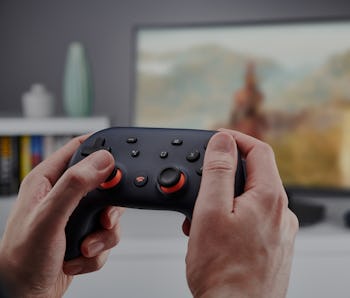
pixel 25 157
pixel 19 155
pixel 9 181
pixel 37 150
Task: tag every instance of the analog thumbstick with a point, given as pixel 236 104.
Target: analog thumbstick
pixel 113 180
pixel 171 180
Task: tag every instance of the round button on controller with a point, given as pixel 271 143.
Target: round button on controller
pixel 171 180
pixel 113 180
pixel 140 180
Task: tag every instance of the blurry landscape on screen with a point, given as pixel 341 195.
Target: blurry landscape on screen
pixel 287 84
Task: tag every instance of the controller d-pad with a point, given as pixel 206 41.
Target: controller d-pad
pixel 99 144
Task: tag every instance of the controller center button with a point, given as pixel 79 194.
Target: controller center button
pixel 193 156
pixel 171 180
pixel 131 140
pixel 113 180
pixel 141 180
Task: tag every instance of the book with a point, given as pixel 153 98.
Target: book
pixel 25 158
pixel 9 179
pixel 20 154
pixel 37 150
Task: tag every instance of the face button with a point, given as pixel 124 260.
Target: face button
pixel 135 153
pixel 193 156
pixel 141 180
pixel 176 142
pixel 113 180
pixel 199 171
pixel 171 180
pixel 163 154
pixel 131 140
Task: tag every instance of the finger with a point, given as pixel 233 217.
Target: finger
pixel 53 167
pixel 186 227
pixel 83 265
pixel 261 165
pixel 97 242
pixel 263 179
pixel 219 167
pixel 76 182
pixel 110 217
pixel 101 240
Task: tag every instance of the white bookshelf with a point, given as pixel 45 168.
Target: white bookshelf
pixel 51 126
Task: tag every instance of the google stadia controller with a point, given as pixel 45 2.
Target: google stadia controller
pixel 155 168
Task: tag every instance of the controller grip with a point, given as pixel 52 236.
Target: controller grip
pixel 84 220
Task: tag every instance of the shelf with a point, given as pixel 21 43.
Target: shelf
pixel 52 126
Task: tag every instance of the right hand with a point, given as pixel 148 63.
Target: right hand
pixel 243 246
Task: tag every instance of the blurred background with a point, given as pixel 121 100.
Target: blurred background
pixel 39 45
pixel 35 35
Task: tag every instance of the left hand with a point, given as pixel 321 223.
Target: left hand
pixel 33 246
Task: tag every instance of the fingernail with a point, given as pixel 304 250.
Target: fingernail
pixel 95 248
pixel 222 142
pixel 101 160
pixel 73 269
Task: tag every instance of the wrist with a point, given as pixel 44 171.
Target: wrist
pixel 15 287
pixel 229 291
pixel 242 286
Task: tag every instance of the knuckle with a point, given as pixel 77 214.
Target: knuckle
pixel 26 182
pixel 209 218
pixel 266 149
pixel 77 140
pixel 268 193
pixel 31 180
pixel 97 263
pixel 75 179
pixel 294 222
pixel 218 166
pixel 114 238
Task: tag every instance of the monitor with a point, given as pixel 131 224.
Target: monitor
pixel 284 82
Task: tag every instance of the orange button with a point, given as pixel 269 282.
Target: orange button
pixel 176 187
pixel 114 181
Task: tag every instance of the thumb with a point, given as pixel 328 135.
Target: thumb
pixel 77 181
pixel 217 186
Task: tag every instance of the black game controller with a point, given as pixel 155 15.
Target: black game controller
pixel 156 168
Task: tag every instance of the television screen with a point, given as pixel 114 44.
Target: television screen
pixel 287 84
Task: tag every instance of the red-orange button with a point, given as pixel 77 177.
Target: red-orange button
pixel 178 186
pixel 141 180
pixel 114 181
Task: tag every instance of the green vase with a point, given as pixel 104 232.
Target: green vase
pixel 77 83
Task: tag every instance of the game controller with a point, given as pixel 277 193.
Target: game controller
pixel 155 168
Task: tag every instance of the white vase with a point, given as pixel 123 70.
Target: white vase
pixel 38 102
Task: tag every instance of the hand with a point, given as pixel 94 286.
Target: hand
pixel 240 247
pixel 33 246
